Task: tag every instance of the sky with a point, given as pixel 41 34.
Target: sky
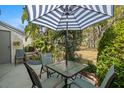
pixel 11 14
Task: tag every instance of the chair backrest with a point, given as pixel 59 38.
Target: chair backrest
pixel 108 78
pixel 46 58
pixel 33 76
pixel 20 53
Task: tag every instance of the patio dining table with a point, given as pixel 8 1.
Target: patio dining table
pixel 67 71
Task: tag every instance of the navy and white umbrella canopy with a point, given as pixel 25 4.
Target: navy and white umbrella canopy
pixel 68 17
pixel 79 16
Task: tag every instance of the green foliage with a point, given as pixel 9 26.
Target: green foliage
pixel 91 68
pixel 31 30
pixel 111 51
pixel 24 15
pixel 74 42
pixel 29 48
pixel 44 42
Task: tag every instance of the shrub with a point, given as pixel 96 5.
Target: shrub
pixel 91 68
pixel 111 51
pixel 29 48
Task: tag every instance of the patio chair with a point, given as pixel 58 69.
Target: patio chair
pixel 46 59
pixel 19 56
pixel 83 83
pixel 52 82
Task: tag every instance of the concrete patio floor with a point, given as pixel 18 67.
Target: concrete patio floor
pixel 12 76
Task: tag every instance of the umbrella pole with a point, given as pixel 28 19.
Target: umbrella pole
pixel 66 37
pixel 66 44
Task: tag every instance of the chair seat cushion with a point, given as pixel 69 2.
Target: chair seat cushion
pixel 82 83
pixel 34 62
pixel 53 82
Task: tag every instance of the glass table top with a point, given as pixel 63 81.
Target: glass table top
pixel 70 70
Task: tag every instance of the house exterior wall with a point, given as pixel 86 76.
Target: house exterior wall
pixel 14 38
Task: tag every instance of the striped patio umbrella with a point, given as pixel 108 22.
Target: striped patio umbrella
pixel 68 17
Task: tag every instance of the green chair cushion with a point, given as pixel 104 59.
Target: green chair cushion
pixel 53 82
pixel 82 83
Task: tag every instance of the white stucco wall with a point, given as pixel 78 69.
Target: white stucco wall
pixel 14 38
pixel 21 39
